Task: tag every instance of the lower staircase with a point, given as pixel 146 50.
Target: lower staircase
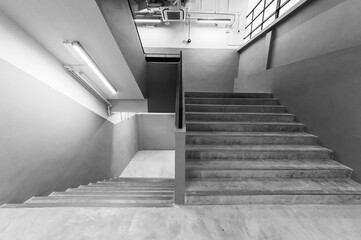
pixel 245 148
pixel 118 192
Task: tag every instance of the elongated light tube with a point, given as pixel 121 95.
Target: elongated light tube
pixel 78 48
pixel 139 20
pixel 206 20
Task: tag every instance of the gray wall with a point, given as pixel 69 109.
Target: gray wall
pixel 161 86
pixel 315 71
pixel 130 105
pixel 119 18
pixel 209 69
pixel 206 69
pixel 156 131
pixel 49 142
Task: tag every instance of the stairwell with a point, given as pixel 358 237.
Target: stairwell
pixel 117 192
pixel 245 148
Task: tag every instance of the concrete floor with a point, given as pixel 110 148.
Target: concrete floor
pixel 256 222
pixel 151 164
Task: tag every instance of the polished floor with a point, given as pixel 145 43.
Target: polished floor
pixel 254 222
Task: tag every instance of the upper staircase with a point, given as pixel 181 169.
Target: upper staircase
pixel 245 148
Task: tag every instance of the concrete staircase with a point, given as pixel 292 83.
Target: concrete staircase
pixel 118 192
pixel 245 148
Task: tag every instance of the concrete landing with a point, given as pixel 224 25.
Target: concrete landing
pixel 151 164
pixel 251 222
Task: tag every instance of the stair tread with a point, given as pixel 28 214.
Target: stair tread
pixel 271 164
pixel 244 123
pixel 241 113
pixel 201 147
pixel 234 105
pixel 273 186
pixel 115 190
pixel 243 98
pixel 85 204
pixel 128 179
pixel 109 193
pixel 249 134
pixel 219 94
pixel 80 197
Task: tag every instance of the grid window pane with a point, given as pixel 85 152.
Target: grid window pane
pixel 257 21
pixel 269 21
pixel 270 10
pixel 259 8
pixel 288 5
pixel 256 31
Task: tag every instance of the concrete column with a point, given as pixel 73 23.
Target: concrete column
pixel 268 49
pixel 180 141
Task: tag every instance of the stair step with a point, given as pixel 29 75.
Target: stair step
pixel 243 138
pixel 79 192
pixel 129 185
pixel 143 180
pixel 205 169
pixel 273 191
pixel 233 101
pixel 227 95
pixel 257 152
pixel 101 199
pixel 235 108
pixel 245 126
pixel 119 188
pixel 247 117
pixel 86 204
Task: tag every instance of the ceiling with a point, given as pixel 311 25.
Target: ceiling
pixel 202 35
pixel 51 22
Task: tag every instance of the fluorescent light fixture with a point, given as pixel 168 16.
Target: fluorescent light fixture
pixel 78 48
pixel 149 20
pixel 84 80
pixel 215 20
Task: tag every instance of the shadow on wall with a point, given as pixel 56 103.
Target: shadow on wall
pixel 324 93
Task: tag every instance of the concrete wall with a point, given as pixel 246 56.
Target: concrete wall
pixel 161 86
pixel 209 69
pixel 119 18
pixel 23 51
pixel 315 71
pixel 48 142
pixel 156 131
pixel 206 69
pixel 131 105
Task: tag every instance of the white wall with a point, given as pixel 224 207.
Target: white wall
pixel 52 22
pixel 24 52
pixel 49 143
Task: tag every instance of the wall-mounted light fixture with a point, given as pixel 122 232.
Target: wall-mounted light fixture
pixel 80 52
pixel 214 20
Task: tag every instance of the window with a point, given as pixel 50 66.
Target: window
pixel 263 12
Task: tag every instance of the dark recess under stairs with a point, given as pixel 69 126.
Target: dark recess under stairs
pixel 245 148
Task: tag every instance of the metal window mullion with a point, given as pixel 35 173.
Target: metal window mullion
pixel 251 24
pixel 278 8
pixel 263 13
